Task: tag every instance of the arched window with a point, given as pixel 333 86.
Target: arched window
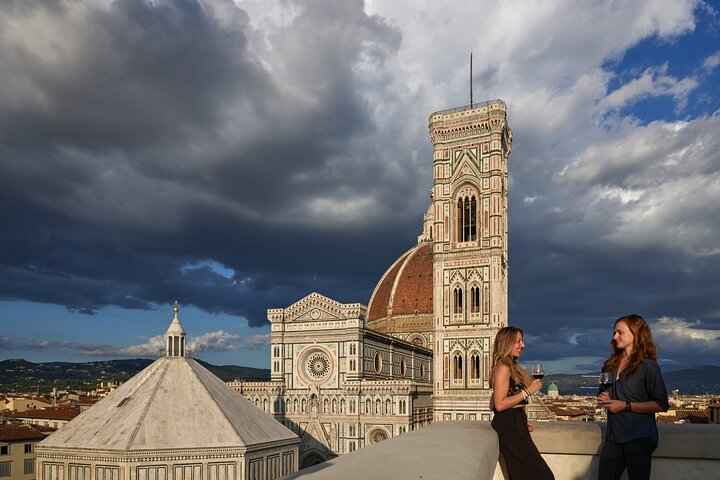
pixel 458 300
pixel 457 367
pixel 475 299
pixel 475 366
pixel 467 218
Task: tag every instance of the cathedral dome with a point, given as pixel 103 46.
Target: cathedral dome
pixel 402 302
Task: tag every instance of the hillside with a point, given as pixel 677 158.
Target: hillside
pixel 17 375
pixel 688 381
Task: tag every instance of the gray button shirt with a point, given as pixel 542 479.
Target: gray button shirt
pixel 643 385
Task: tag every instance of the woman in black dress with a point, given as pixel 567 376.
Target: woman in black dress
pixel 512 386
pixel 637 393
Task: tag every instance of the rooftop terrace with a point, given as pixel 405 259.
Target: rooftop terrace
pixel 469 450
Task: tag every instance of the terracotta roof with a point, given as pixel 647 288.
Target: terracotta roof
pixel 47 413
pixel 568 411
pixel 693 416
pixel 10 433
pixel 380 298
pixel 406 289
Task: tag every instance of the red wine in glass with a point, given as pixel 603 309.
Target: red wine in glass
pixel 538 372
pixel 606 380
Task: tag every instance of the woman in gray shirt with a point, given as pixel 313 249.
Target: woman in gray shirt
pixel 637 393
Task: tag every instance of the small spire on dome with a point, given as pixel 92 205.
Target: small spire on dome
pixel 175 336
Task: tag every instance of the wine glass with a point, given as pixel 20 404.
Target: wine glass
pixel 606 381
pixel 538 371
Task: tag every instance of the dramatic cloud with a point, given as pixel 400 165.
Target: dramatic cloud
pixel 241 154
pixel 218 341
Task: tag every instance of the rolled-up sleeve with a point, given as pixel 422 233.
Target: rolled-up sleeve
pixel 655 385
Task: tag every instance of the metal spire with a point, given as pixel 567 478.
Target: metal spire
pixel 471 95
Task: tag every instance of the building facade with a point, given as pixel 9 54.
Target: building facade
pixel 338 385
pixel 17 451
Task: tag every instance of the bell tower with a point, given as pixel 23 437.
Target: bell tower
pixel 471 146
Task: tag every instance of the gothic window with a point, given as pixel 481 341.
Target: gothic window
pixel 342 405
pixel 457 367
pixel 388 407
pixel 475 299
pixel 467 218
pixel 352 406
pixel 378 407
pixel 475 366
pixel 457 300
pixel 368 406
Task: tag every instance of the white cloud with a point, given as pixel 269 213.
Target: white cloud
pixel 654 82
pixel 678 335
pixel 712 61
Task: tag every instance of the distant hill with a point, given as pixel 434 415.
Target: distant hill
pixel 17 375
pixel 688 381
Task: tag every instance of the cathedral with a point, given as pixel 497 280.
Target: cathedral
pixel 345 375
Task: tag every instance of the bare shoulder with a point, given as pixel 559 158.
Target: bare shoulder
pixel 501 371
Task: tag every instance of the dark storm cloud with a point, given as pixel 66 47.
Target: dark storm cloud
pixel 137 137
pixel 627 228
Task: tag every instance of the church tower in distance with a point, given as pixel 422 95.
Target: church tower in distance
pixel 471 146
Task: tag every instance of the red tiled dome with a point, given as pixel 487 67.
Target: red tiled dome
pixel 402 301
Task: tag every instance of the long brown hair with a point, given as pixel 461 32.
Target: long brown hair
pixel 502 351
pixel 643 345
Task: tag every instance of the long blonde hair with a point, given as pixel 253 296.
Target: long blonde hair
pixel 502 352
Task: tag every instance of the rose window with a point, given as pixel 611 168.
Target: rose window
pixel 378 435
pixel 318 366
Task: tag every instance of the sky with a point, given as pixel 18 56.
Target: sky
pixel 237 156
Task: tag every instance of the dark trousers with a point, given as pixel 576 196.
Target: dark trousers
pixel 522 458
pixel 635 455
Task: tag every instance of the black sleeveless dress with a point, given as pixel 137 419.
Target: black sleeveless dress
pixel 522 458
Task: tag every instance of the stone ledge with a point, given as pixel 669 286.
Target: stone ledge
pixel 443 450
pixel 469 450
